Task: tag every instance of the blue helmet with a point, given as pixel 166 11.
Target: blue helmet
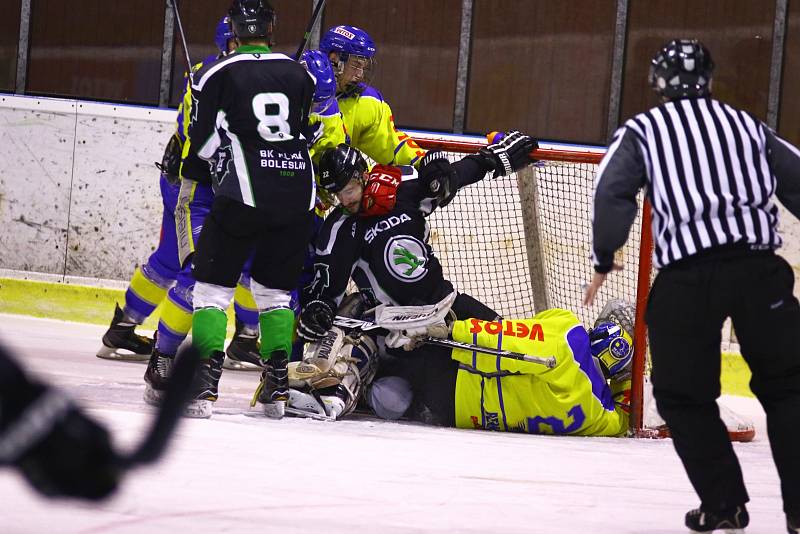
pixel 224 34
pixel 317 64
pixel 348 40
pixel 612 348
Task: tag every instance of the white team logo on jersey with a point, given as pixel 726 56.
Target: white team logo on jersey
pixel 406 258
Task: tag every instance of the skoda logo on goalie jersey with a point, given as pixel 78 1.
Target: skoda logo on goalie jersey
pixel 406 258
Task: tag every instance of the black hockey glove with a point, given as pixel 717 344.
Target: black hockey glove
pixel 437 176
pixel 59 449
pixel 510 154
pixel 170 165
pixel 315 320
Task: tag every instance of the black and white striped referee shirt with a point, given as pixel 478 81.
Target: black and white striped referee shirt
pixel 710 172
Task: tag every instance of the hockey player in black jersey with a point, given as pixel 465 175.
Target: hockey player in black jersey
pixel 250 117
pixel 378 234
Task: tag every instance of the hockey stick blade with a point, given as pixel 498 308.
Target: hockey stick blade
pixel 367 326
pixel 169 413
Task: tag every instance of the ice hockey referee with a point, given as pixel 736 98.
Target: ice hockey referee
pixel 710 172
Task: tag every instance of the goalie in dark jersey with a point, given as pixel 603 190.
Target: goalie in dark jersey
pixel 251 112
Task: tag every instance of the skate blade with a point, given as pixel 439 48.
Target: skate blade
pixel 110 353
pixel 152 396
pixel 275 409
pixel 198 409
pixel 296 412
pixel 236 365
pixel 726 531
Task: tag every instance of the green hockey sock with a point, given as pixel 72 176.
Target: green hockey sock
pixel 208 331
pixel 277 327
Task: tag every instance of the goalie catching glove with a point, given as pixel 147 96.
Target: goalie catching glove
pixel 510 154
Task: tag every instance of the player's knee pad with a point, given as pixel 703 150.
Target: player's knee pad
pixel 207 295
pixel 267 298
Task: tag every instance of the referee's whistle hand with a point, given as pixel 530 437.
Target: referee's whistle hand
pixel 597 280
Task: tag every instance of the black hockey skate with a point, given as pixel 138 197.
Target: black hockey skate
pixel 156 376
pixel 206 387
pixel 732 520
pixel 120 342
pixel 273 391
pixel 243 351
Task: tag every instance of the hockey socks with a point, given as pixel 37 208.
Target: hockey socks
pixel 277 326
pixel 208 331
pixel 146 290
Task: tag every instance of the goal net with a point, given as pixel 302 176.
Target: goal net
pixel 522 243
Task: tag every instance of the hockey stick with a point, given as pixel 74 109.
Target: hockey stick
pixel 169 413
pixel 174 5
pixel 366 326
pixel 309 29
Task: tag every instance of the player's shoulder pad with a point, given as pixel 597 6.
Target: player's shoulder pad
pixel 208 71
pixel 372 93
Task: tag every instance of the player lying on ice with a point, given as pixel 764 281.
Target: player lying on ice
pixel 585 392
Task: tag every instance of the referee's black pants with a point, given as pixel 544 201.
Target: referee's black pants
pixel 688 304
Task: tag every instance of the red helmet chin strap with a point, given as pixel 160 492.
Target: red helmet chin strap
pixel 380 191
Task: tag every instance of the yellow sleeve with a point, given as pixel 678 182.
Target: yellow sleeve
pixel 370 123
pixel 329 133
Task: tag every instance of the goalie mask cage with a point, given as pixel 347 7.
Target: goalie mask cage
pixel 522 244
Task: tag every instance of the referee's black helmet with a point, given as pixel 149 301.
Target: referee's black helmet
pixel 682 69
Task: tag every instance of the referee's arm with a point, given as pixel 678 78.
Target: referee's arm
pixel 621 175
pixel 784 161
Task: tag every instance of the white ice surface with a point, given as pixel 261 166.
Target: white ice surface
pixel 236 473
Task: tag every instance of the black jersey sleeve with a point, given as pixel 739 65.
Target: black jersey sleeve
pixel 784 161
pixel 337 251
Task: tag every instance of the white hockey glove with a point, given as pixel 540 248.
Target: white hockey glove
pixel 510 154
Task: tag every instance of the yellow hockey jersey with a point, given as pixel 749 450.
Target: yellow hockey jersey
pixel 509 395
pixel 369 121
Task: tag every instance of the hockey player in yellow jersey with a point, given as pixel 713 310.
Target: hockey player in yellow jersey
pixel 586 393
pixel 367 116
pixel 574 397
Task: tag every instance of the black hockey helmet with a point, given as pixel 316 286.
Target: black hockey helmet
pixel 340 165
pixel 252 19
pixel 682 69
